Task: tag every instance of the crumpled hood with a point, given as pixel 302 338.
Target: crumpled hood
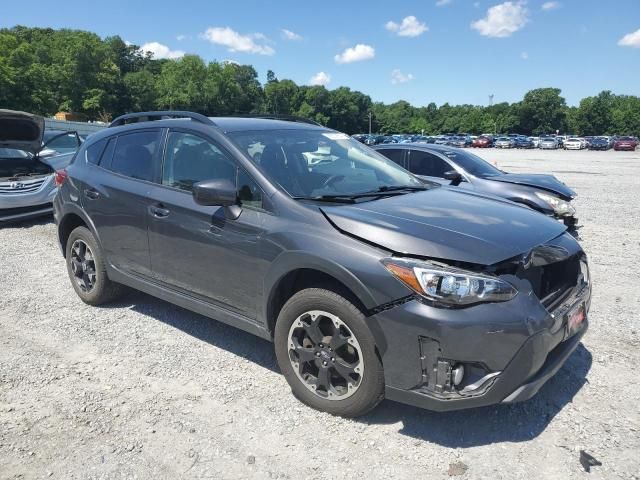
pixel 544 182
pixel 21 130
pixel 449 224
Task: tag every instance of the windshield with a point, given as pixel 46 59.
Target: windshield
pixel 13 153
pixel 314 163
pixel 473 164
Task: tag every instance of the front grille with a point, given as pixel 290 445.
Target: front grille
pixel 551 274
pixel 21 186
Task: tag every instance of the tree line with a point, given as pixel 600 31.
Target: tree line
pixel 44 71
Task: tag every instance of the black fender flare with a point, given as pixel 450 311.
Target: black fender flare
pixel 290 261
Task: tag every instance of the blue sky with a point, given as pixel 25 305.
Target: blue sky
pixel 456 51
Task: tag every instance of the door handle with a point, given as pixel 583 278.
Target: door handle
pixel 159 211
pixel 91 193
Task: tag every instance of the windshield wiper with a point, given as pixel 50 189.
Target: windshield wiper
pixel 395 188
pixel 383 191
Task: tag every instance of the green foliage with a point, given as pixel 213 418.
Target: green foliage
pixel 44 71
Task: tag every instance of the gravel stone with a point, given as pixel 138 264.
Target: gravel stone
pixel 144 389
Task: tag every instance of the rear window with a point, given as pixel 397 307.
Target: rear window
pixel 134 154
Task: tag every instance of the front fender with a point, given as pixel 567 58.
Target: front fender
pixel 296 260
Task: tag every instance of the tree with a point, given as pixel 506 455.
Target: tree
pixel 595 114
pixel 181 84
pixel 542 110
pixel 43 70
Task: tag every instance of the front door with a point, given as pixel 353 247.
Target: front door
pixel 197 249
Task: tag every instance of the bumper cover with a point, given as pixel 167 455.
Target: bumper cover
pixel 519 344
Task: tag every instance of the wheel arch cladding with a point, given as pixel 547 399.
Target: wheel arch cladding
pixel 286 283
pixel 68 224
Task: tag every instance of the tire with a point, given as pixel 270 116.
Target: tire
pixel 102 290
pixel 368 391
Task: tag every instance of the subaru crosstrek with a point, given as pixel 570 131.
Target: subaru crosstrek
pixel 371 282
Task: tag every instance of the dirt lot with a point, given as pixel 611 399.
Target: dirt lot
pixel 143 389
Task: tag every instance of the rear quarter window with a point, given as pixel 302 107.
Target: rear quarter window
pixel 93 153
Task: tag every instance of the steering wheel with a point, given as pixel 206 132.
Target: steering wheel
pixel 331 179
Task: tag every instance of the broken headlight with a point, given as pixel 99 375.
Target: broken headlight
pixel 448 286
pixel 560 207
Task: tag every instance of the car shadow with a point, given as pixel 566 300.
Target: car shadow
pixel 485 425
pixel 27 222
pixel 215 333
pixel 459 429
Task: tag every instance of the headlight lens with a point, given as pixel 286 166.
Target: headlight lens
pixel 559 206
pixel 448 286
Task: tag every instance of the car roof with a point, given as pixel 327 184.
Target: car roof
pixel 226 124
pixel 235 124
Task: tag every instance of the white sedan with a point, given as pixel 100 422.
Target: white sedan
pixel 573 144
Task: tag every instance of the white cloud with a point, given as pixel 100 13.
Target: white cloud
pixel 409 27
pixel 398 77
pixel 236 42
pixel 289 35
pixel 161 51
pixel 356 54
pixel 551 5
pixel 180 37
pixel 630 40
pixel 320 78
pixel 502 20
pixel 524 56
pixel 442 3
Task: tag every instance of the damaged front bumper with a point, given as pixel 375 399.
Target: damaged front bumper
pixel 507 350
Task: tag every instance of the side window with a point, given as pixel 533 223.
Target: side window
pixel 107 155
pixel 428 164
pixel 94 152
pixel 249 192
pixel 191 159
pixel 133 155
pixel 394 154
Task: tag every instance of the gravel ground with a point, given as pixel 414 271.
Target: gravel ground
pixel 143 389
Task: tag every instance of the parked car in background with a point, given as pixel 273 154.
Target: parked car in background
pixel 548 143
pixel 599 143
pixel 371 282
pixel 535 141
pixel 60 142
pixel 625 143
pixel 461 141
pixel 573 144
pixel 505 142
pixel 27 175
pixel 483 142
pixel 462 169
pixel 523 142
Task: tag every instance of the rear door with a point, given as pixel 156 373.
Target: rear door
pixel 115 193
pixel 197 249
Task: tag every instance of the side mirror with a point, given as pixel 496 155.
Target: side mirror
pixel 218 193
pixel 453 176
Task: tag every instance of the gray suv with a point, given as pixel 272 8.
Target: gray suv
pixel 371 282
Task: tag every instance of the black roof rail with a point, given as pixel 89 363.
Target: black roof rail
pixel 161 115
pixel 275 116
